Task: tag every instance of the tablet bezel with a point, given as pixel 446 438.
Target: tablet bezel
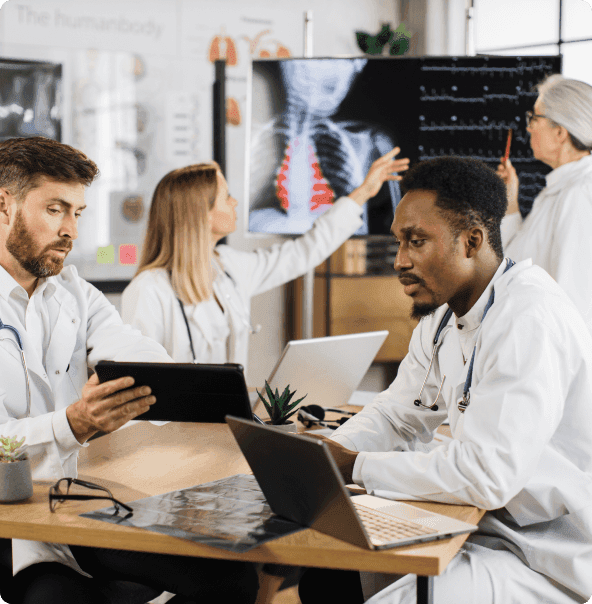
pixel 217 390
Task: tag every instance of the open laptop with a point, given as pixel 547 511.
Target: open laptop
pixel 301 482
pixel 328 370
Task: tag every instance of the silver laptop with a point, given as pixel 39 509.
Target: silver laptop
pixel 301 482
pixel 328 370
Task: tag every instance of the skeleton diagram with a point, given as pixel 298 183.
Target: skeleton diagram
pixel 303 160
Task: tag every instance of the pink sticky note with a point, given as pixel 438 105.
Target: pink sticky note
pixel 128 254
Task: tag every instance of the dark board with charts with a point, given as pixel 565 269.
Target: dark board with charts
pixel 317 125
pixel 468 105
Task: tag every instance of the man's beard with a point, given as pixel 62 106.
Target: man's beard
pixel 21 245
pixel 421 310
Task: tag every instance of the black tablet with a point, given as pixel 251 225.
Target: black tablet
pixel 186 392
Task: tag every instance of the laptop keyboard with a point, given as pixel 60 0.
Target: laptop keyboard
pixel 386 528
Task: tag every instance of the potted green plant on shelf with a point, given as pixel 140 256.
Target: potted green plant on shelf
pixel 279 408
pixel 15 470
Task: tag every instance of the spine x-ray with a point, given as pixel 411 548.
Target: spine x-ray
pixel 305 153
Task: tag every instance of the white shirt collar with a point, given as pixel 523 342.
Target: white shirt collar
pixel 472 319
pixel 8 284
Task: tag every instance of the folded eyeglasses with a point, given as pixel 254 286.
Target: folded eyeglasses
pixel 57 494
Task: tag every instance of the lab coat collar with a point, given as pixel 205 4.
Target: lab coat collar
pixel 472 319
pixel 568 171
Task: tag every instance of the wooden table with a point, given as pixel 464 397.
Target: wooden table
pixel 146 460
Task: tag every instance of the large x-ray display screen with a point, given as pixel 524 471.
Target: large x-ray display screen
pixel 318 124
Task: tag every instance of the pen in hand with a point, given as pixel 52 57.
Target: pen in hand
pixel 508 144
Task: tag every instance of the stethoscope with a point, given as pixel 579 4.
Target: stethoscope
pixel 466 398
pixel 243 313
pixel 19 345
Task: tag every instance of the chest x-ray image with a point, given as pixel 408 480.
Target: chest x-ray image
pixel 313 138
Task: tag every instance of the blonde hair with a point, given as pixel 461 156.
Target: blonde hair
pixel 178 236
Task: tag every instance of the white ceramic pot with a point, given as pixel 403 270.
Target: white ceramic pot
pixel 15 480
pixel 289 426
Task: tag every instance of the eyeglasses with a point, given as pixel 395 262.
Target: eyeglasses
pixel 56 495
pixel 531 115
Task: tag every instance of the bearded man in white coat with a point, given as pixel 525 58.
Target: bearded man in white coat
pixel 63 325
pixel 521 424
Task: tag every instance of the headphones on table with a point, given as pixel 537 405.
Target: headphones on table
pixel 313 415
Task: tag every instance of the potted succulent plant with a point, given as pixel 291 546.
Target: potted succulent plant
pixel 15 470
pixel 279 408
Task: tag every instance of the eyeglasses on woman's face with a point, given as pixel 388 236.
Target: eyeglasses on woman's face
pixel 532 116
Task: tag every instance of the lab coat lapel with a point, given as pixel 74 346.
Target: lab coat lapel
pixel 63 335
pixel 234 321
pixel 203 324
pixel 33 357
pixel 451 364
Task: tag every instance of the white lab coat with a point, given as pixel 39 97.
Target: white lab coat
pixel 523 447
pixel 556 232
pixel 150 304
pixel 87 329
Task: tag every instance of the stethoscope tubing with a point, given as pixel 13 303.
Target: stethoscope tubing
pixel 19 344
pixel 248 323
pixel 466 398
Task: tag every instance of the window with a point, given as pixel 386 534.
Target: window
pixel 537 27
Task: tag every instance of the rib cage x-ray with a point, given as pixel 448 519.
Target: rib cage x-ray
pixel 305 155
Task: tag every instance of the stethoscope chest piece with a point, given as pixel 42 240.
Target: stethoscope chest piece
pixel 464 402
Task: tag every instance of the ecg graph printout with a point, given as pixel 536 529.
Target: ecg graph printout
pixel 317 125
pixel 467 105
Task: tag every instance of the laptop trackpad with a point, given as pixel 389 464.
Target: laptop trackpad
pixel 401 510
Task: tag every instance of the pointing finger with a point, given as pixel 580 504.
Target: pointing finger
pixel 394 151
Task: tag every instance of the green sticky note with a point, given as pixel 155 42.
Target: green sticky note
pixel 106 255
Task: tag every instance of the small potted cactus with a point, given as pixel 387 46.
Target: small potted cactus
pixel 15 470
pixel 279 408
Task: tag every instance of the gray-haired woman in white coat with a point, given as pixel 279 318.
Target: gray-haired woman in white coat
pixel 556 233
pixel 193 297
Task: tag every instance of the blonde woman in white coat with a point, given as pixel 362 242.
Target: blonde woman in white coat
pixel 556 233
pixel 185 285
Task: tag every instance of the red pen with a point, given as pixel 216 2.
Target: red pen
pixel 508 144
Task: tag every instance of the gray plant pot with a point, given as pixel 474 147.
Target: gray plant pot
pixel 15 480
pixel 290 426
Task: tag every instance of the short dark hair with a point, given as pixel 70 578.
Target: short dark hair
pixel 24 162
pixel 469 194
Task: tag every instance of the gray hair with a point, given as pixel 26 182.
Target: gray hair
pixel 569 104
